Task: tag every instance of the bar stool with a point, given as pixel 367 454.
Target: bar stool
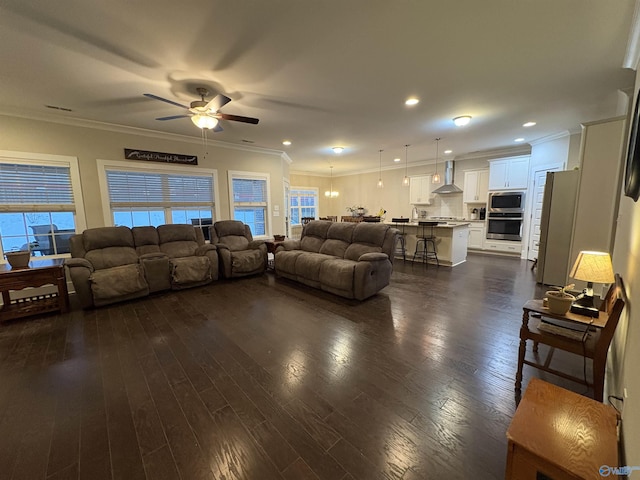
pixel 401 243
pixel 423 242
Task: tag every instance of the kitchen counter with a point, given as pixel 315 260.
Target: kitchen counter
pixel 451 240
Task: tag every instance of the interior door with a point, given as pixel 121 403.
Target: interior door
pixel 287 208
pixel 539 179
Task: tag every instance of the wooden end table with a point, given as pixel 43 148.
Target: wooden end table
pixel 272 245
pixel 557 434
pixel 44 272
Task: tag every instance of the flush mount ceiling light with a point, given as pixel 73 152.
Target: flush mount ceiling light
pixel 380 184
pixel 519 139
pixel 337 149
pixel 528 124
pixel 462 121
pixel 411 101
pixel 436 176
pixel 405 180
pixel 397 160
pixel 447 152
pixel 204 121
pixel 286 143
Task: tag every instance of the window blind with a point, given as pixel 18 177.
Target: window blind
pixel 25 187
pixel 129 188
pixel 247 190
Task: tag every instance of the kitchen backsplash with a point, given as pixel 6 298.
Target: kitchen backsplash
pixel 447 206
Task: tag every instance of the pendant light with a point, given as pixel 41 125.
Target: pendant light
pixel 436 176
pixel 380 183
pixel 405 180
pixel 331 193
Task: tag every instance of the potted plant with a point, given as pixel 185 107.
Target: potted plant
pixel 559 301
pixel 356 210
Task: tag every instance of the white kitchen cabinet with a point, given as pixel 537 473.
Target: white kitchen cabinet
pixel 420 190
pixel 476 236
pixel 476 186
pixel 509 173
pixel 503 246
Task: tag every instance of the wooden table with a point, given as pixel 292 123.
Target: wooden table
pixel 271 249
pixel 557 434
pixel 537 307
pixel 44 272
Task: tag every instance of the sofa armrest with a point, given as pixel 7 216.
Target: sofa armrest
pixel 79 262
pixel 289 245
pixel 203 249
pixel 221 246
pixel 373 257
pixel 256 244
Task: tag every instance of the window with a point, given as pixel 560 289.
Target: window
pixel 142 196
pixel 250 200
pixel 304 203
pixel 40 196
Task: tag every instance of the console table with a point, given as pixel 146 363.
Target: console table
pixel 44 272
pixel 557 434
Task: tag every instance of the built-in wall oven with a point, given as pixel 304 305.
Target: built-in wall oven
pixel 505 216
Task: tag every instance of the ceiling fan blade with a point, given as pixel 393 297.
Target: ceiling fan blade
pixel 172 117
pixel 238 118
pixel 155 97
pixel 217 103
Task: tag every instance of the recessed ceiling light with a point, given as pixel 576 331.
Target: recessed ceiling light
pixel 286 142
pixel 447 152
pixel 529 124
pixel 462 121
pixel 337 149
pixel 396 160
pixel 519 139
pixel 411 101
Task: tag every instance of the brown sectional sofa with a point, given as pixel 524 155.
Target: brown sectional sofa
pixel 113 264
pixel 353 260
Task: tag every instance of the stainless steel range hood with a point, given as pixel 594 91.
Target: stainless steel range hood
pixel 449 186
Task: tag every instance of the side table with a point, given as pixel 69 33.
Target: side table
pixel 271 250
pixel 46 272
pixel 557 434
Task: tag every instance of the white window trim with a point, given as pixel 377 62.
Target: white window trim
pixel 27 158
pixel 231 174
pixel 317 207
pixel 104 165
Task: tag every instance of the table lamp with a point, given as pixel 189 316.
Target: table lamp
pixel 591 267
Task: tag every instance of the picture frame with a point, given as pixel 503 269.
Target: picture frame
pixel 632 169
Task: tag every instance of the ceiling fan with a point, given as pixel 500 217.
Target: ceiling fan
pixel 205 114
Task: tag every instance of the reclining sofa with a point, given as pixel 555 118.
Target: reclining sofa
pixel 353 260
pixel 238 253
pixel 114 264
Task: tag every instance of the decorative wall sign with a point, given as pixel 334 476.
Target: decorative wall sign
pixel 632 173
pixel 131 154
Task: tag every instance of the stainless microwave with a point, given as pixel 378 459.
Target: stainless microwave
pixel 505 202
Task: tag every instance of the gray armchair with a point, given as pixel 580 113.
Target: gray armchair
pixel 104 267
pixel 239 254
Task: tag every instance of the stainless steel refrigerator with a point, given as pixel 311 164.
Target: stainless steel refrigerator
pixel 556 227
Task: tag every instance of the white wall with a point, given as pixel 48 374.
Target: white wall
pixel 90 144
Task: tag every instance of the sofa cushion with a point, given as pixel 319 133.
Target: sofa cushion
pixel 308 266
pixel 118 281
pixel 103 237
pixel 110 257
pixel 334 247
pixel 370 233
pixel 313 235
pixel 285 261
pixel 341 231
pixel 146 240
pixel 187 270
pixel 235 242
pixel 247 261
pixel 355 250
pixel 338 274
pixel 229 227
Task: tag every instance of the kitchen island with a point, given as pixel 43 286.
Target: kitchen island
pixel 451 240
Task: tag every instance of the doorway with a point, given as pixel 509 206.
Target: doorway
pixel 539 180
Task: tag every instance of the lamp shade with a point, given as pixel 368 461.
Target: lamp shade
pixel 594 267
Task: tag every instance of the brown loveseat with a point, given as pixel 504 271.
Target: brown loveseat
pixel 238 253
pixel 353 260
pixel 113 264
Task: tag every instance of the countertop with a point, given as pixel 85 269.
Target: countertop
pixel 441 224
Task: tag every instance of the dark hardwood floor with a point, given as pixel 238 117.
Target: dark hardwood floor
pixel 262 378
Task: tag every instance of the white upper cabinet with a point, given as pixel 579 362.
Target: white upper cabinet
pixel 509 173
pixel 476 186
pixel 420 190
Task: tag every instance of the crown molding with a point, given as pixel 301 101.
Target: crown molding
pixel 632 55
pixel 519 150
pixel 143 132
pixel 550 138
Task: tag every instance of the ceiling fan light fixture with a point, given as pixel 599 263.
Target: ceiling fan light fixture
pixel 337 149
pixel 204 121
